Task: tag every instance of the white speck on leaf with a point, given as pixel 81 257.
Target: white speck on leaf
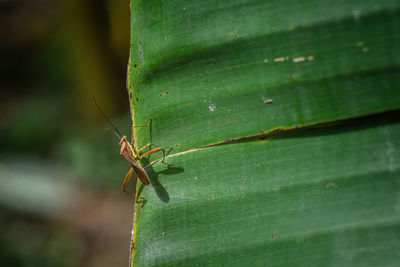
pixel 279 59
pixel 299 59
pixel 211 106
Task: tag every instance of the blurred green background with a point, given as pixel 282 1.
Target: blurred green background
pixel 60 169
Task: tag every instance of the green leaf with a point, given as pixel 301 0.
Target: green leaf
pixel 303 98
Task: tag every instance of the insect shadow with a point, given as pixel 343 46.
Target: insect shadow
pixel 154 178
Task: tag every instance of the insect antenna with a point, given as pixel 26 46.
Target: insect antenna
pixel 117 133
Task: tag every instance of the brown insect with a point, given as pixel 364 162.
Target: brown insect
pixel 133 156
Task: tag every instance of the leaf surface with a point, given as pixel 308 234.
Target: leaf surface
pixel 323 194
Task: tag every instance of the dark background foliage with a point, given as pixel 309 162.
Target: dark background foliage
pixel 60 172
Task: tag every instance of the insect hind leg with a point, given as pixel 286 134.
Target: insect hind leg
pixel 125 183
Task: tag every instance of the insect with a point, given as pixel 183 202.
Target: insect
pixel 132 155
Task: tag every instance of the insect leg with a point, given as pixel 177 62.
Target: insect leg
pixel 151 144
pixel 143 125
pixel 155 151
pixel 138 126
pixel 125 183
